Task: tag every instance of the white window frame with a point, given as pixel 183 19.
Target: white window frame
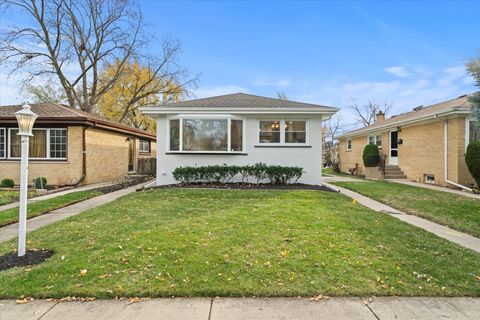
pixel 47 137
pixel 4 143
pixel 282 133
pixel 140 146
pixel 227 117
pixel 467 131
pixel 349 148
pixel 375 140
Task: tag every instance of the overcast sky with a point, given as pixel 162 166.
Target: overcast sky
pixel 406 53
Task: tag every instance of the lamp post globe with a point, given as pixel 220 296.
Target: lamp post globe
pixel 25 118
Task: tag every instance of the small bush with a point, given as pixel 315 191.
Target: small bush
pixel 472 158
pixel 39 182
pixel 371 156
pixel 224 174
pixel 7 183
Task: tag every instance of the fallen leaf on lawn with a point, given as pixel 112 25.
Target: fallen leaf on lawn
pixel 319 297
pixel 135 300
pixel 477 277
pixel 106 275
pixel 283 253
pixel 83 272
pixel 354 201
pixel 62 257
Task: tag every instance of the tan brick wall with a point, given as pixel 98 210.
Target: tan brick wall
pixel 107 155
pixel 56 172
pixel 349 158
pixel 422 151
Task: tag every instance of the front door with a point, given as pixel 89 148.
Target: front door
pixel 131 154
pixel 393 156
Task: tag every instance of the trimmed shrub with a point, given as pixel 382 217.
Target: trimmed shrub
pixel 472 158
pixel 371 156
pixel 7 183
pixel 224 174
pixel 39 182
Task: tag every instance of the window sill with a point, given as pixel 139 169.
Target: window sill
pixel 35 160
pixel 282 146
pixel 208 153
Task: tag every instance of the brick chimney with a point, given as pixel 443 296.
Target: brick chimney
pixel 379 117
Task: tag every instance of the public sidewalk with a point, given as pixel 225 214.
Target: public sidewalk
pixel 56 194
pixel 247 308
pixel 11 231
pixel 460 238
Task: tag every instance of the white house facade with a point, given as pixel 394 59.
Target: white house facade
pixel 239 129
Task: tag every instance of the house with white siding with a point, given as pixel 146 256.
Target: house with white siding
pixel 239 129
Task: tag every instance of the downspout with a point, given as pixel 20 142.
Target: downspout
pixel 446 161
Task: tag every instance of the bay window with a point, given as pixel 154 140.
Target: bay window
pixel 191 134
pixel 282 131
pixel 44 144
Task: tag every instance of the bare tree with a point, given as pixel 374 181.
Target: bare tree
pixel 73 41
pixel 330 131
pixel 281 95
pixel 365 114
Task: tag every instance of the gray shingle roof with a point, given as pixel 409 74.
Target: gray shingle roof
pixel 456 104
pixel 242 100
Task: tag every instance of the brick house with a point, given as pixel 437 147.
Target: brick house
pixel 427 144
pixel 72 147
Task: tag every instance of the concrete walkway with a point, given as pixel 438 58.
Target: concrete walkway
pixel 56 194
pixel 247 308
pixel 437 188
pixel 458 237
pixel 11 231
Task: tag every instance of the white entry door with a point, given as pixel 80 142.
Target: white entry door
pixel 393 156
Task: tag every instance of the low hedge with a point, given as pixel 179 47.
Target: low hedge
pixel 7 183
pixel 223 174
pixel 472 159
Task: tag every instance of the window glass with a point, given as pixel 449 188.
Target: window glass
pixel 371 140
pixel 349 144
pixel 474 131
pixel 175 135
pixel 205 135
pixel 269 132
pixel 37 146
pixel 58 143
pixel 144 146
pixel 236 135
pixel 295 131
pixel 379 140
pixel 2 142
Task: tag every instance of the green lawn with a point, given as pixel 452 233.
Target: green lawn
pixel 43 206
pixel 456 211
pixel 7 197
pixel 192 242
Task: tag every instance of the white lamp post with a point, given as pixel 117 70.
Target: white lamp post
pixel 25 118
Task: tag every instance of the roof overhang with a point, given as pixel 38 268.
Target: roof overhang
pixel 83 121
pixel 155 111
pixel 428 118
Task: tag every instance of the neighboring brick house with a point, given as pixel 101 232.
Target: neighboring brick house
pixel 72 147
pixel 428 144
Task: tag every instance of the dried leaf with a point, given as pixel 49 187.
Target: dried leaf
pixel 83 272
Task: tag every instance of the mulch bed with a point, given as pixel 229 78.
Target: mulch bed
pixel 30 258
pixel 123 185
pixel 245 186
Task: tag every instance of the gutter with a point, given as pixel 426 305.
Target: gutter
pixel 84 158
pixel 446 161
pixel 457 110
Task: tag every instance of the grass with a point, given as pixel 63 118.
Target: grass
pixel 192 242
pixel 456 211
pixel 7 197
pixel 40 207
